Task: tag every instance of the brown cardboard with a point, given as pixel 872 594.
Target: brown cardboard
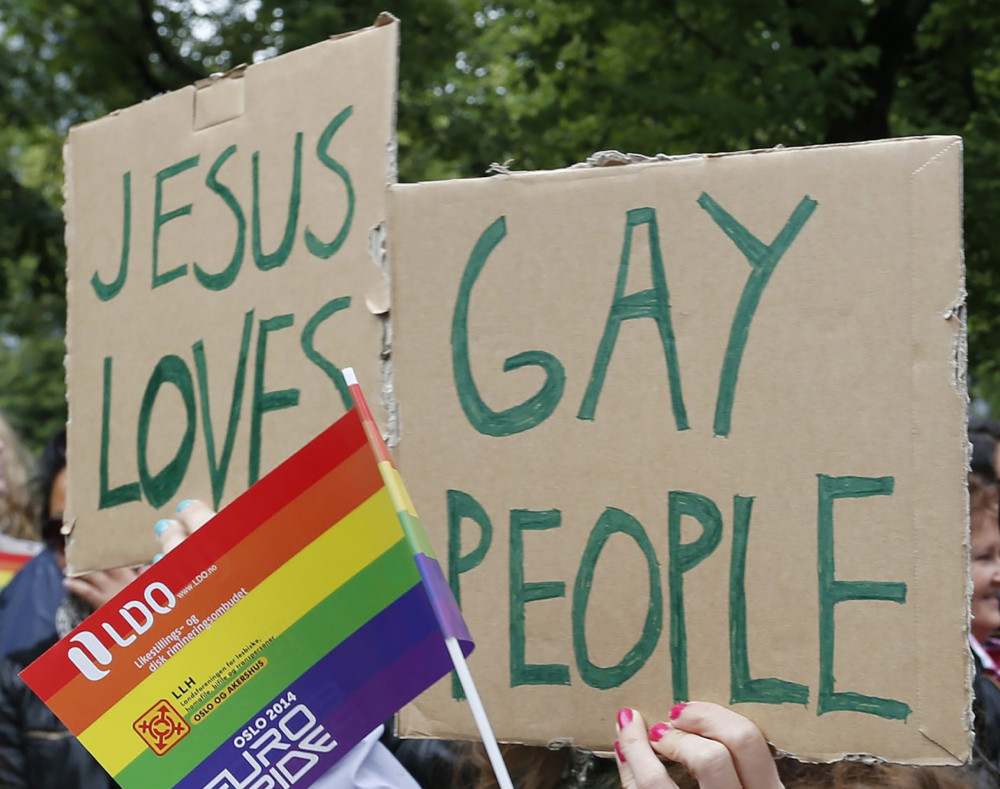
pixel 310 307
pixel 851 368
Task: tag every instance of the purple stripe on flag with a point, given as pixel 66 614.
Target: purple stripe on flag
pixel 385 664
pixel 393 688
pixel 449 616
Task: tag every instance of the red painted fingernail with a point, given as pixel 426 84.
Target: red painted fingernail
pixel 618 750
pixel 658 732
pixel 624 717
pixel 676 711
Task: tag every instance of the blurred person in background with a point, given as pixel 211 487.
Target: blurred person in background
pixel 984 555
pixel 984 435
pixel 37 608
pixel 28 604
pixel 18 529
pixel 16 469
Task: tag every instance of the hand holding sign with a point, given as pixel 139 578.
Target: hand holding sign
pixel 719 747
pixel 96 588
pixel 191 516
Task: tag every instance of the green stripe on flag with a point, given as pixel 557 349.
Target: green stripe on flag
pixel 415 534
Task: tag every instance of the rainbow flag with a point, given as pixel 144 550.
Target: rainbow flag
pixel 10 563
pixel 272 640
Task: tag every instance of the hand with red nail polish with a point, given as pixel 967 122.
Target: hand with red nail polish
pixel 719 747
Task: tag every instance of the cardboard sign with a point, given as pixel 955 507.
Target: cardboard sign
pixel 695 430
pixel 271 641
pixel 224 259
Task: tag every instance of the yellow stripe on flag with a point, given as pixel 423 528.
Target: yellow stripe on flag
pixel 400 498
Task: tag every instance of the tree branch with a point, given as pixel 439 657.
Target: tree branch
pixel 892 31
pixel 170 57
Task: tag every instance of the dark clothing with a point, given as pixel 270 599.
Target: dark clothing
pixel 986 725
pixel 445 764
pixel 36 749
pixel 432 763
pixel 986 709
pixel 28 604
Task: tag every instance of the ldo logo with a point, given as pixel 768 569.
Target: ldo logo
pixel 137 617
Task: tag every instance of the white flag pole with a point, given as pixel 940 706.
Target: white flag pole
pixel 471 694
pixel 482 722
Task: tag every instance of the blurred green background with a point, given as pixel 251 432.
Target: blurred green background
pixel 541 82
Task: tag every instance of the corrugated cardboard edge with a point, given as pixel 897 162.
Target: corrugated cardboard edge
pixel 67 194
pixel 613 158
pixel 378 301
pixel 946 228
pixel 954 314
pixel 384 18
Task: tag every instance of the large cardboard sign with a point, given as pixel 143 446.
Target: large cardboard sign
pixel 695 430
pixel 224 260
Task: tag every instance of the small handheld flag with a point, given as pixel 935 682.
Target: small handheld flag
pixel 272 640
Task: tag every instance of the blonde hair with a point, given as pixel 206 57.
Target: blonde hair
pixel 17 510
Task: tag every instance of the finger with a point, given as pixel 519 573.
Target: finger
pixel 745 743
pixel 709 761
pixel 194 514
pixel 638 766
pixel 121 576
pixel 170 533
pixel 85 590
pixel 624 770
pixel 99 587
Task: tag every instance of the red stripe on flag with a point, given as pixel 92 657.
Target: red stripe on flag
pixel 374 434
pixel 14 561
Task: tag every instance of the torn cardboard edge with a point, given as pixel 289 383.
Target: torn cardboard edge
pixel 559 743
pixel 378 300
pixel 567 742
pixel 68 200
pixel 957 310
pixel 384 18
pixel 954 313
pixel 613 158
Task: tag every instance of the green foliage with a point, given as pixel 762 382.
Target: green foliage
pixel 542 82
pixel 32 285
